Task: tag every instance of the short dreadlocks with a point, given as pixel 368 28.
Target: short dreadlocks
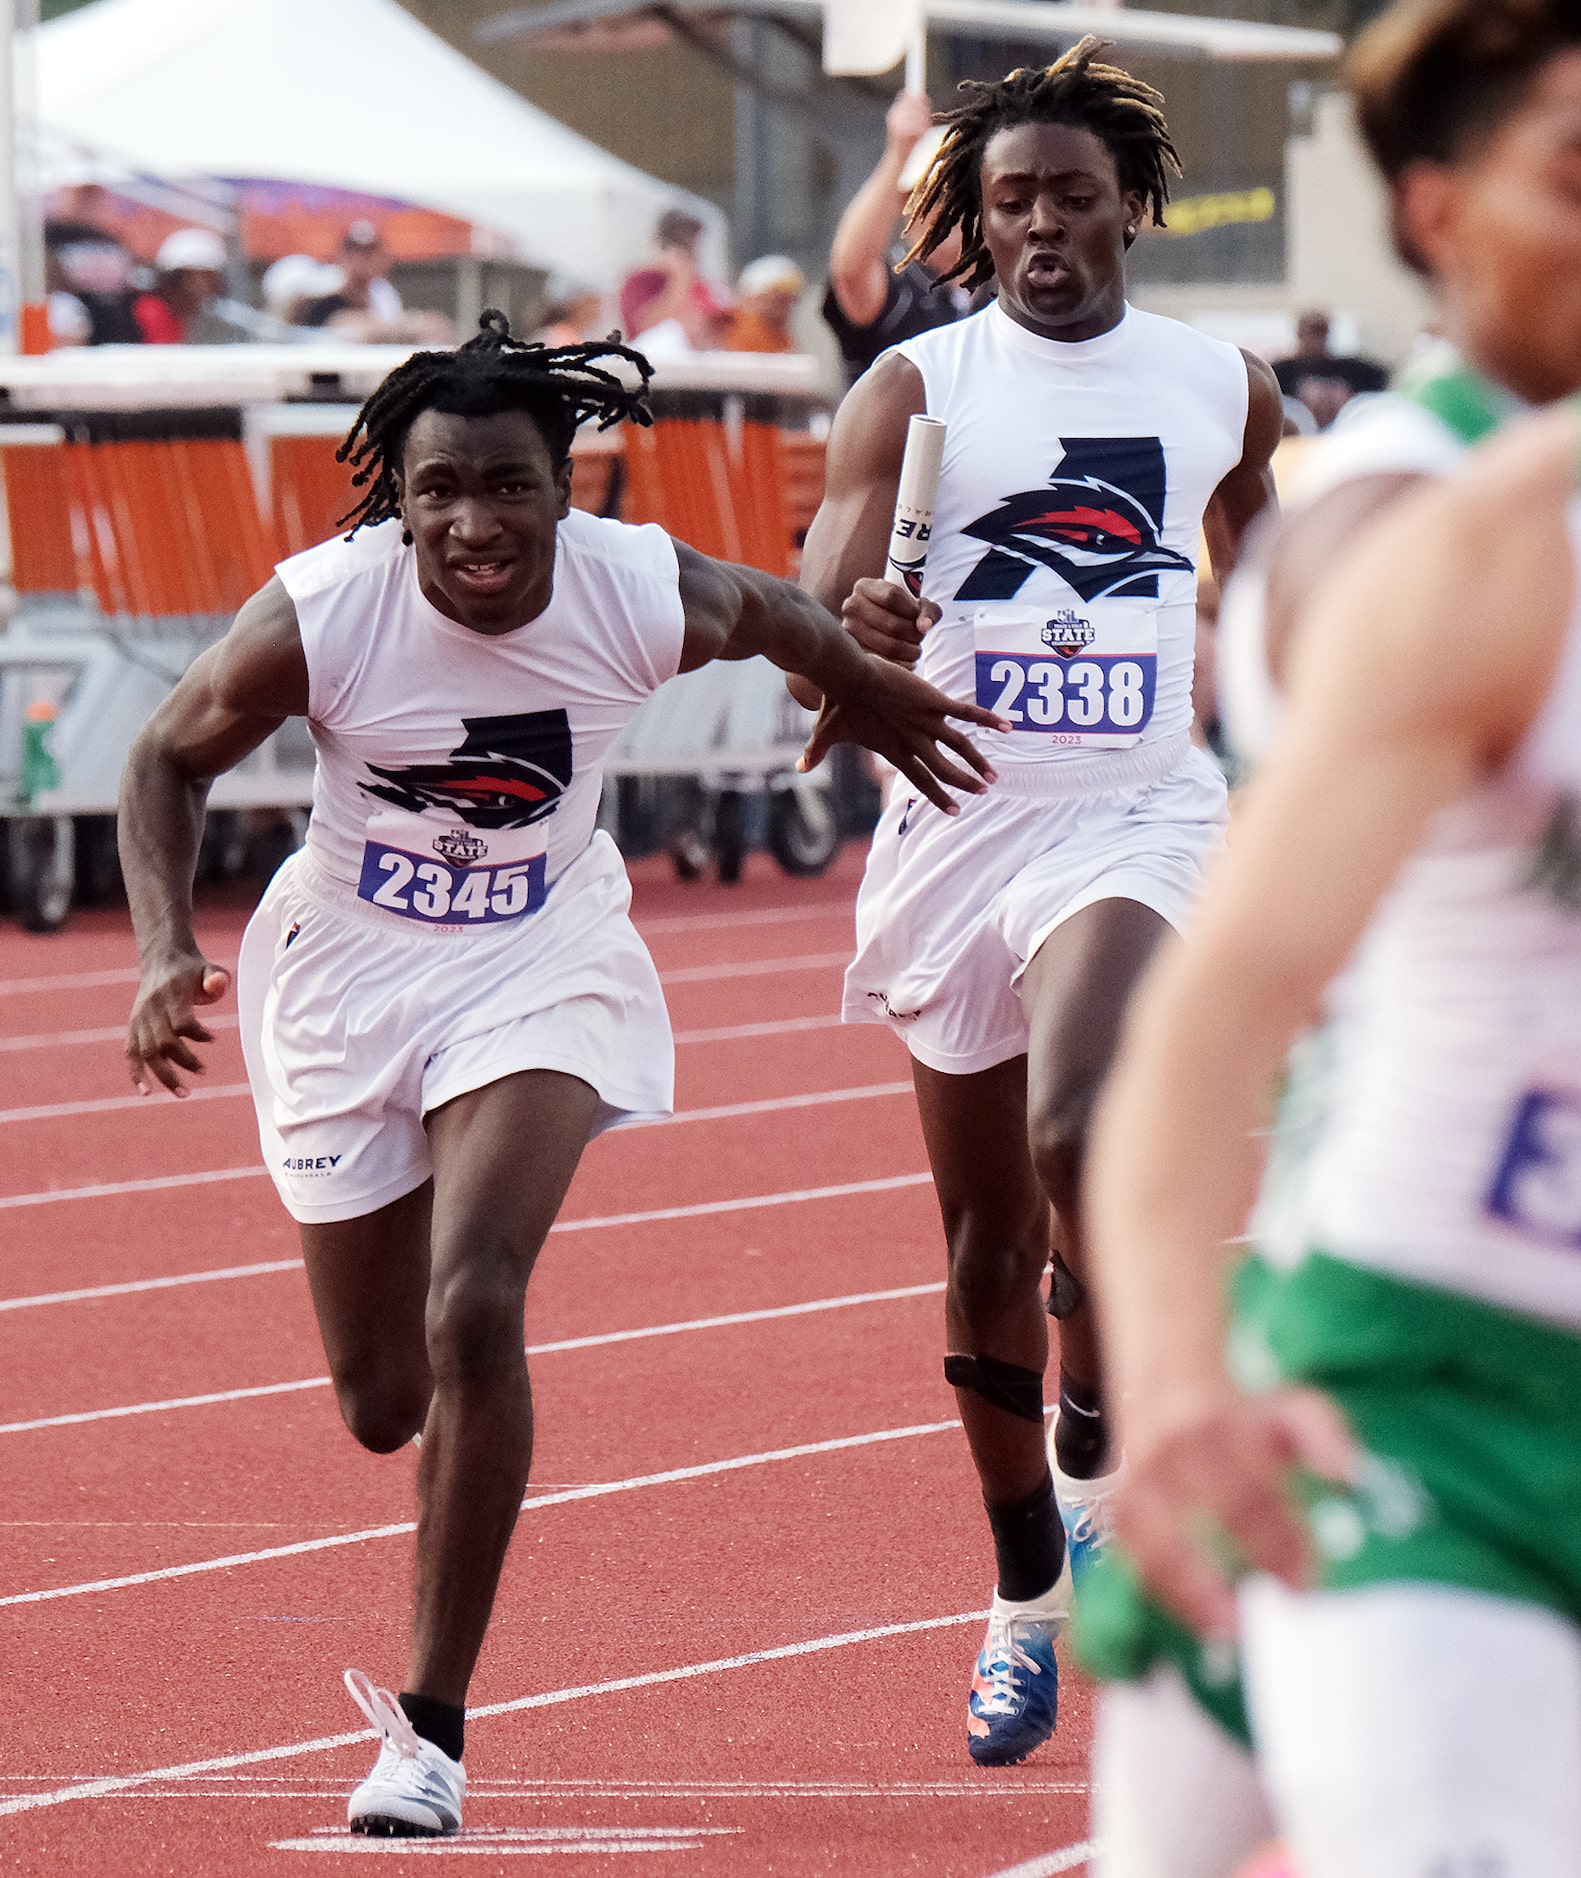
pixel 1125 114
pixel 559 387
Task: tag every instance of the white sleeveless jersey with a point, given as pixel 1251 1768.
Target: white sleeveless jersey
pixel 1065 536
pixel 1433 1128
pixel 459 774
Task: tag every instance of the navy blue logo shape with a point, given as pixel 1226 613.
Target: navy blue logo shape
pixel 1095 524
pixel 507 772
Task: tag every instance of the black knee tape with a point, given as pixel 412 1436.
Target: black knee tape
pixel 1067 1293
pixel 1006 1386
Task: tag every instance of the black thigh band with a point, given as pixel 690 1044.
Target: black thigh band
pixel 1006 1386
pixel 1067 1293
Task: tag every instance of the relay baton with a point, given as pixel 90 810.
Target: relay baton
pixel 919 489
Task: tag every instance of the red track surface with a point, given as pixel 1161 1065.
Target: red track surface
pixel 849 1758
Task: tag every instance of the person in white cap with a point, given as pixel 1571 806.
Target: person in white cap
pixel 190 269
pixel 767 293
pixel 295 279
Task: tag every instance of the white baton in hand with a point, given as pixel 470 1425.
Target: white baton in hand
pixel 919 489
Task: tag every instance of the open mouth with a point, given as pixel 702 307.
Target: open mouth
pixel 482 577
pixel 1047 270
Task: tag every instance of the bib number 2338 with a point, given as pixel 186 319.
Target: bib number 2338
pixel 1051 677
pixel 439 874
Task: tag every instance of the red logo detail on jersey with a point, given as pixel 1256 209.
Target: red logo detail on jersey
pixel 507 772
pixel 1095 524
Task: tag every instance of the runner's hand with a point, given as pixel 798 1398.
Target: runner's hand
pixel 887 620
pixel 1212 1487
pixel 164 1022
pixel 903 718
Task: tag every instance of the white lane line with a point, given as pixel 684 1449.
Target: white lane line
pixel 102 1033
pixel 727 1033
pixel 159 1182
pixel 1070 1859
pixel 764 916
pixel 757 968
pixel 106 1189
pixel 765 1316
pixel 704 1208
pixel 514 1841
pixel 770 1027
pixel 124 1783
pixel 108 1105
pixel 87 1292
pixel 793 1198
pixel 562 1496
pixel 105 1105
pixel 72 981
pixel 772 1104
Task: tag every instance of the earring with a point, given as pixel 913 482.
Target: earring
pixel 1131 230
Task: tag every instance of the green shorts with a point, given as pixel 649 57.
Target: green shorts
pixel 1471 1418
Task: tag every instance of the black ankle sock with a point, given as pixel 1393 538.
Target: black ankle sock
pixel 1081 1436
pixel 1029 1543
pixel 440 1722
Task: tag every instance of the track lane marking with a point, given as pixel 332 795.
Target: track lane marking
pixel 216 1092
pixel 757 968
pixel 687 974
pixel 101 1033
pixel 85 1293
pixel 1050 1863
pixel 763 916
pixel 561 1496
pixel 795 1197
pixel 124 1783
pixel 162 1182
pixel 725 1033
pixel 598 1341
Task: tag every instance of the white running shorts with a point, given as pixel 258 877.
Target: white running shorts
pixel 952 907
pixel 355 1024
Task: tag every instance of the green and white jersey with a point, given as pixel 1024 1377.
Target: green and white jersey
pixel 1433 1128
pixel 1422 428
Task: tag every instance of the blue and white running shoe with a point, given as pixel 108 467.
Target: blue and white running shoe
pixel 1014 1702
pixel 415 1789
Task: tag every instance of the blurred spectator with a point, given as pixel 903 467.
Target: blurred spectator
pixel 767 293
pixel 661 283
pixel 699 326
pixel 83 261
pixel 363 288
pixel 295 279
pixel 365 308
pixel 189 272
pixel 573 312
pixel 869 306
pixel 1324 381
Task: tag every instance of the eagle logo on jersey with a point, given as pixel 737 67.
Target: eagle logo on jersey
pixel 507 772
pixel 1096 525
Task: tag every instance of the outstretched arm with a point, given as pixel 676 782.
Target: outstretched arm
pixel 859 254
pixel 230 699
pixel 1248 491
pixel 739 613
pixel 1393 713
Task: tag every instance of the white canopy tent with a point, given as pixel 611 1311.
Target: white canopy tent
pixel 1184 33
pixel 353 94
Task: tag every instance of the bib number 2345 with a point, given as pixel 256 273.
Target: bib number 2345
pixel 459 881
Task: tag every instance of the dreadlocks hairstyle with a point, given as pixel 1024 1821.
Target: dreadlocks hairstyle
pixel 1123 112
pixel 559 387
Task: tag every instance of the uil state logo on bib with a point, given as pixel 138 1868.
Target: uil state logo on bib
pixel 488 864
pixel 1096 526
